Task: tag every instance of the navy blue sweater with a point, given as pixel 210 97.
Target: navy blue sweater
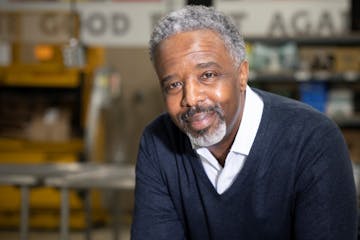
pixel 296 183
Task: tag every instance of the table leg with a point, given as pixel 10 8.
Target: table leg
pixel 64 225
pixel 116 216
pixel 88 214
pixel 24 222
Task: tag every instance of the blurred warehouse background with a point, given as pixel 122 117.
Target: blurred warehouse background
pixel 77 85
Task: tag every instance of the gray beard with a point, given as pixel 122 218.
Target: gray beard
pixel 207 138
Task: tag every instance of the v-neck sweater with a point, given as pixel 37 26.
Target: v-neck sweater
pixel 296 183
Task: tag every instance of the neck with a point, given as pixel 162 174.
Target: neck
pixel 221 155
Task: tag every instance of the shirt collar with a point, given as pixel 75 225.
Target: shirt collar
pixel 250 122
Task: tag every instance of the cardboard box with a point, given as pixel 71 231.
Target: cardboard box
pixel 52 125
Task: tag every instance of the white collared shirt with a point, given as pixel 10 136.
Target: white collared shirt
pixel 222 177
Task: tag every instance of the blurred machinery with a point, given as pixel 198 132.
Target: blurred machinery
pixel 45 91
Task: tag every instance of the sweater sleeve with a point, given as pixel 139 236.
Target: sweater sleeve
pixel 325 205
pixel 154 216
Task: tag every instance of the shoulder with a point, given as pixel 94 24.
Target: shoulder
pixel 304 137
pixel 298 129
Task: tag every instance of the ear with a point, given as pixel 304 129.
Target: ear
pixel 243 74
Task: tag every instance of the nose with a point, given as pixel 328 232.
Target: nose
pixel 193 93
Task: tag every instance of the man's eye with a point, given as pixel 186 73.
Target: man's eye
pixel 208 75
pixel 171 87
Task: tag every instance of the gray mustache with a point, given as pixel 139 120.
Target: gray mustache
pixel 200 109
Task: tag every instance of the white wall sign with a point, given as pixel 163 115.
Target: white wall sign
pixel 49 27
pixel 119 24
pixel 105 24
pixel 261 18
pixel 130 24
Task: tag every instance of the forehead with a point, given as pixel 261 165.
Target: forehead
pixel 190 46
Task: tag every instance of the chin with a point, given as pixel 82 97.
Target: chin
pixel 208 137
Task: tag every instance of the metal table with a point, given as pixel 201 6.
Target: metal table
pixel 112 177
pixel 64 176
pixel 42 170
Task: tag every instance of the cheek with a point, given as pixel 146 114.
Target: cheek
pixel 172 105
pixel 228 96
pixel 219 93
pixel 225 93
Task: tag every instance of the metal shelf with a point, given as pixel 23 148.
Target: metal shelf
pixel 310 77
pixel 347 40
pixel 350 123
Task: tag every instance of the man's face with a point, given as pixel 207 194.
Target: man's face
pixel 203 88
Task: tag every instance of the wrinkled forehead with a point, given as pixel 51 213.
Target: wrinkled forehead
pixel 188 41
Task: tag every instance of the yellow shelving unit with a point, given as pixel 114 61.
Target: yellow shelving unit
pixel 33 79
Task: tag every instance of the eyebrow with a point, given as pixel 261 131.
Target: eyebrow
pixel 198 66
pixel 207 64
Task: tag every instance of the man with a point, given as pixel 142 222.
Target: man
pixel 230 162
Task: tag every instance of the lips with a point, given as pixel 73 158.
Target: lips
pixel 201 120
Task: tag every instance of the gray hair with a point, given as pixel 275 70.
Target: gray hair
pixel 192 18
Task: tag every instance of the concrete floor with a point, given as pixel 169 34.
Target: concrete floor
pixel 101 233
